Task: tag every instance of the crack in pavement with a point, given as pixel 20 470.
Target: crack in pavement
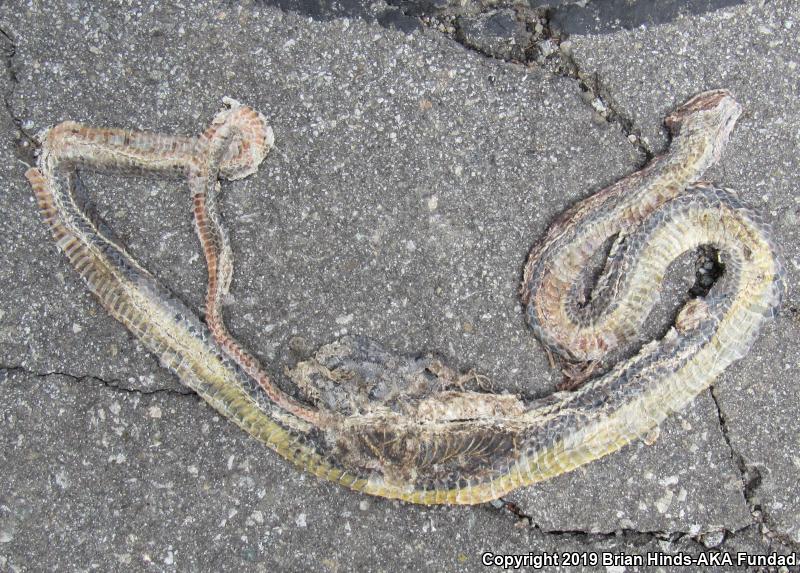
pixel 602 103
pixel 751 482
pixel 707 541
pixel 26 145
pixel 113 384
pixel 24 142
pixel 627 535
pixel 751 479
pixel 545 48
pixel 504 31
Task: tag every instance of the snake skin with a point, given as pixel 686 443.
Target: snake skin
pixel 404 428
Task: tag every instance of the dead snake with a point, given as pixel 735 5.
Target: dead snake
pixel 392 427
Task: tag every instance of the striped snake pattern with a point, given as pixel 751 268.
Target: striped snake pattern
pixel 406 428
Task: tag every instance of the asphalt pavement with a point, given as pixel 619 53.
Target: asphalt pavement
pixel 421 149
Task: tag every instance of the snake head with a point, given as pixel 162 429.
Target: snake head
pixel 713 112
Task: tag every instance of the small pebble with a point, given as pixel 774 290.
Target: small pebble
pixel 599 106
pixel 6 535
pixel 546 48
pixel 523 523
pixel 712 538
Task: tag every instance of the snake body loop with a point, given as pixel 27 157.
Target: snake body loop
pixel 388 425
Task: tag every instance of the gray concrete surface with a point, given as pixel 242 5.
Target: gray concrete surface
pixel 410 178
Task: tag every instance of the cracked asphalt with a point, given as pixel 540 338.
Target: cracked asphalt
pixel 422 148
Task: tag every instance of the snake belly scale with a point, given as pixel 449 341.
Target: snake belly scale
pixel 398 427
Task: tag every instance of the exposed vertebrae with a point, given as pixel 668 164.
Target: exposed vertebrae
pixel 404 428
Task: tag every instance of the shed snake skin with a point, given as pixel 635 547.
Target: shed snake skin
pixel 401 427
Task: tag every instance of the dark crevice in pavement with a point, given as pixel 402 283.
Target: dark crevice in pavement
pixel 632 536
pixel 112 384
pixel 526 36
pixel 751 482
pixel 601 102
pixel 26 146
pixel 24 141
pixel 533 33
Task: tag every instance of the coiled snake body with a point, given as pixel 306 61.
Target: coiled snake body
pixel 394 427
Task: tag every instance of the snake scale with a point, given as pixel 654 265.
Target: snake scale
pixel 405 428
